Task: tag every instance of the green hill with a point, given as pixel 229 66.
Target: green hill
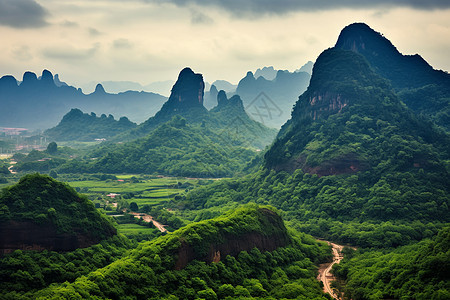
pixel 77 126
pixel 41 213
pixel 174 148
pixel 243 254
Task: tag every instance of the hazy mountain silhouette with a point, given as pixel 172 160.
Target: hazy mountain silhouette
pixel 187 101
pixel 41 103
pixel 271 101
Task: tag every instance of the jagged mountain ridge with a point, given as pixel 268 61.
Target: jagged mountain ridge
pixel 40 103
pixel 186 100
pixel 423 89
pixel 321 137
pixel 271 101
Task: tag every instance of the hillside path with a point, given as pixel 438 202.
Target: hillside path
pixel 148 219
pixel 324 270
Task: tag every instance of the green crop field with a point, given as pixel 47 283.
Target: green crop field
pixel 134 188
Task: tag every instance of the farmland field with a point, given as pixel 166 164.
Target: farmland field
pixel 143 190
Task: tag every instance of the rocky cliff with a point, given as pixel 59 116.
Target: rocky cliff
pixel 187 91
pixel 26 235
pixel 267 234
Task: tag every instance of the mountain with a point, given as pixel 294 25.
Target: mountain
pixel 353 163
pixel 77 126
pixel 211 97
pixel 41 103
pixel 425 90
pixel 187 101
pixel 270 101
pixel 268 73
pixel 41 213
pixel 349 121
pixel 225 85
pixel 306 68
pixel 245 253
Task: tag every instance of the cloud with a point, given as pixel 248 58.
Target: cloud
pixel 70 53
pixel 200 18
pixel 279 7
pixel 22 14
pixel 69 24
pixel 22 53
pixel 94 32
pixel 122 44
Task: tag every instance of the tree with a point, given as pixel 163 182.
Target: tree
pixel 53 174
pixel 134 206
pixel 52 148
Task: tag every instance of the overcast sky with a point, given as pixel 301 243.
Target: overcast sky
pixel 152 40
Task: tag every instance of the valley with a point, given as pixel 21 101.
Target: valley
pixel 201 200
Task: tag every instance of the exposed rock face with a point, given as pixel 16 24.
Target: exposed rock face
pixel 325 103
pixel 188 91
pixel 25 235
pixel 344 164
pixel 232 244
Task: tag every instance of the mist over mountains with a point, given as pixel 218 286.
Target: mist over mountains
pixel 41 103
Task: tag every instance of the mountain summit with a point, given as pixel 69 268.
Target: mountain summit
pixel 423 89
pixel 188 90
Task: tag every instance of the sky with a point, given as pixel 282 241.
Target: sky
pixel 153 40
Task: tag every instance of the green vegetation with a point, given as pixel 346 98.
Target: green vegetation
pixel 23 272
pixel 423 89
pixel 418 271
pixel 175 149
pixel 77 126
pixel 43 200
pixel 148 272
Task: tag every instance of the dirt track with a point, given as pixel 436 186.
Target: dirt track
pixel 324 270
pixel 148 219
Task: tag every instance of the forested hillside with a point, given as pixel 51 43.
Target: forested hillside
pixel 79 126
pixel 263 261
pixel 41 213
pixel 418 271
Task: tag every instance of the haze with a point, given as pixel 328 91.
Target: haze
pixel 148 41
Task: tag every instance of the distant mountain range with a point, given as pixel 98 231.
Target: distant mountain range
pixel 41 103
pixel 270 101
pixel 159 87
pixel 187 101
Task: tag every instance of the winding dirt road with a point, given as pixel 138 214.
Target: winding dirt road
pixel 148 219
pixel 324 270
